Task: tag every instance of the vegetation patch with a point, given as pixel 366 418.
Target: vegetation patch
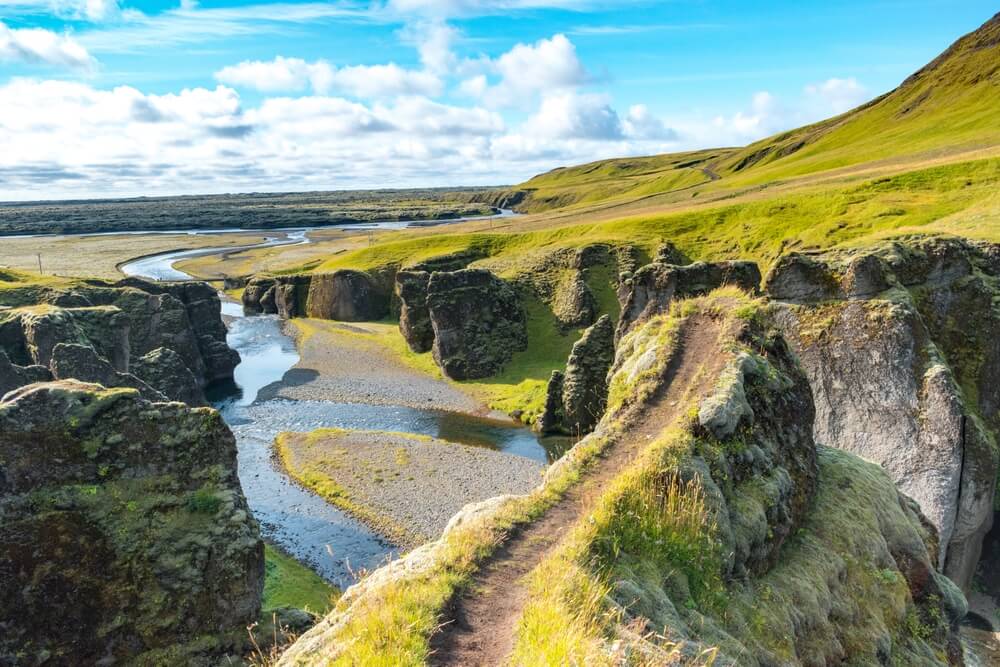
pixel 289 583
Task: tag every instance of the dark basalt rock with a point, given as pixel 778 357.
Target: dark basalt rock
pixel 253 294
pixel 414 315
pixel 121 322
pixel 346 296
pixel 165 370
pixel 13 376
pixel 478 323
pixel 585 387
pixel 81 362
pixel 125 537
pixel 552 419
pixel 655 286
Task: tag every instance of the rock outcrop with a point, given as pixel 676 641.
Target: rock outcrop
pixel 345 296
pixel 13 376
pixel 576 399
pixel 656 285
pixel 478 323
pixel 899 342
pixel 121 322
pixel 552 418
pixel 124 534
pixel 81 362
pixel 163 368
pixel 414 314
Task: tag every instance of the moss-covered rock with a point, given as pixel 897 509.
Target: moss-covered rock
pixel 655 286
pixel 124 533
pixel 414 315
pixel 899 342
pixel 478 322
pixel 121 322
pixel 575 400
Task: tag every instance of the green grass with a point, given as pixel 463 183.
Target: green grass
pixel 288 583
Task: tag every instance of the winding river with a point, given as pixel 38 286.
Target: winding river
pixel 333 543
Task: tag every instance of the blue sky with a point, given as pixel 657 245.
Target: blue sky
pixel 106 97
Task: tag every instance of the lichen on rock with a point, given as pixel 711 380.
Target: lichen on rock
pixel 124 533
pixel 478 323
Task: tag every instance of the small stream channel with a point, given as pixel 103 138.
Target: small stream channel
pixel 333 543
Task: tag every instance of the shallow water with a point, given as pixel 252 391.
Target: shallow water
pixel 302 523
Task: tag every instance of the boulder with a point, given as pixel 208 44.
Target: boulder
pixel 81 362
pixel 346 296
pixel 899 344
pixel 655 286
pixel 164 370
pixel 478 323
pixel 414 315
pixel 125 537
pixel 585 387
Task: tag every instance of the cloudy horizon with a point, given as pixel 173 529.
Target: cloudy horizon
pixel 101 98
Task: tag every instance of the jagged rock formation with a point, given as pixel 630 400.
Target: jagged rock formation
pixel 345 295
pixel 575 401
pixel 124 533
pixel 478 323
pixel 899 342
pixel 552 418
pixel 414 315
pixel 13 376
pixel 119 323
pixel 656 285
pixel 163 368
pixel 70 360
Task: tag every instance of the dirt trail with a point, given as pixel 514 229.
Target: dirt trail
pixel 484 618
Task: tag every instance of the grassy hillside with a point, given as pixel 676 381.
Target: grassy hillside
pixel 949 105
pixel 948 108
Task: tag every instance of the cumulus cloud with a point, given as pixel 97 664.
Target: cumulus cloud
pixel 528 70
pixel 837 95
pixel 71 138
pixel 364 81
pixel 38 46
pixel 575 116
pixel 641 124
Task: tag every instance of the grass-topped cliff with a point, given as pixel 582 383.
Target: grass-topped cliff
pixel 699 524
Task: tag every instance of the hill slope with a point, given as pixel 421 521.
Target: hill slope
pixel 949 107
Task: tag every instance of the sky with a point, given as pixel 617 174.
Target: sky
pixel 104 98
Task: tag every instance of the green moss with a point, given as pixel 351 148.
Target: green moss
pixel 288 583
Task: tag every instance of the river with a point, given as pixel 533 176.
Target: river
pixel 333 543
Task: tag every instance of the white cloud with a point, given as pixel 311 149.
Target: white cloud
pixel 574 116
pixel 837 95
pixel 90 10
pixel 528 70
pixel 641 124
pixel 71 139
pixel 364 81
pixel 38 46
